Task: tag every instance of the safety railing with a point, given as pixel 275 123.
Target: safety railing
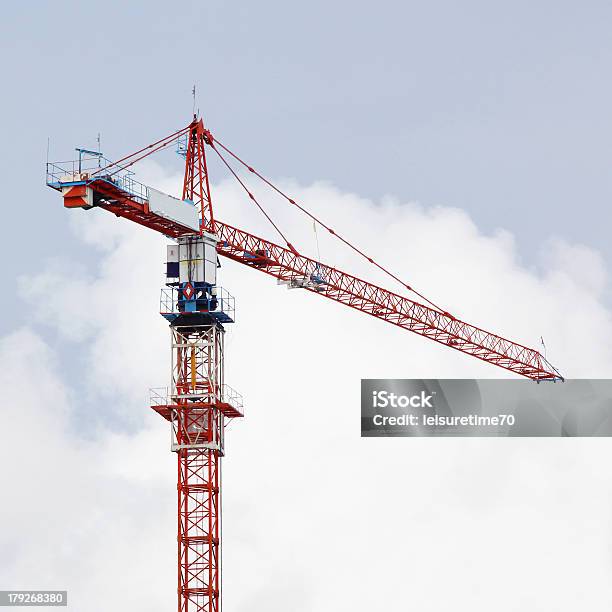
pixel 161 396
pixel 232 397
pixel 182 142
pixel 89 169
pixel 172 301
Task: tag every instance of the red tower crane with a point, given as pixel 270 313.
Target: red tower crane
pixel 199 404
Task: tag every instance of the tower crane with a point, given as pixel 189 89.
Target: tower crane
pixel 199 404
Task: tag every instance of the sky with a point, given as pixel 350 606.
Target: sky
pixel 466 146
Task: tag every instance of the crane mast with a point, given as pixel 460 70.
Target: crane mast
pixel 198 404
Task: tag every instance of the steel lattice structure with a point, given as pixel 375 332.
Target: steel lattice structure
pixel 197 421
pixel 436 325
pixel 199 405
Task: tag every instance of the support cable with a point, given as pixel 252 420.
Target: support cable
pixel 329 229
pixel 254 199
pixel 148 150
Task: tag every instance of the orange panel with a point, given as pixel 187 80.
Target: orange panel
pixel 76 197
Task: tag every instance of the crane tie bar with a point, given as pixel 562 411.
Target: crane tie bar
pixel 317 220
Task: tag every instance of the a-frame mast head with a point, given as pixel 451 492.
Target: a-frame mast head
pixel 196 187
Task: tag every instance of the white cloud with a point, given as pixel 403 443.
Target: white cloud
pixel 314 515
pixel 74 514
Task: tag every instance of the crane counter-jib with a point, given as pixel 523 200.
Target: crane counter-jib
pixel 127 198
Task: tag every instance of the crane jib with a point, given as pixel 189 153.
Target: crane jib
pixel 439 326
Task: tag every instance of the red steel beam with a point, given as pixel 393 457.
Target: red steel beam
pixel 434 324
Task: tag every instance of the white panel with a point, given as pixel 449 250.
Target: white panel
pixel 173 253
pixel 183 252
pixel 174 209
pixel 183 271
pixel 191 270
pixel 210 252
pixel 210 272
pixel 191 249
pixel 198 269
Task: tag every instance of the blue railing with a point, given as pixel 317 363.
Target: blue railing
pixel 86 170
pixel 222 305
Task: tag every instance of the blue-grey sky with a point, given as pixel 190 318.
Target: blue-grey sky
pixel 500 109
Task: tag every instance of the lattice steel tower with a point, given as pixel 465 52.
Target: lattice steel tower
pixel 198 406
